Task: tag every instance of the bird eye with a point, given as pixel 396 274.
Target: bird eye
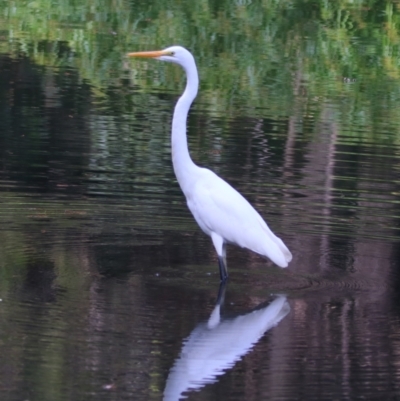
pixel 172 53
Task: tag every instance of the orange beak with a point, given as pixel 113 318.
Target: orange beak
pixel 152 54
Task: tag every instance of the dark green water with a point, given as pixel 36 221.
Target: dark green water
pixel 108 288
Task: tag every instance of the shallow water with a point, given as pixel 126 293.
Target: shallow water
pixel 109 289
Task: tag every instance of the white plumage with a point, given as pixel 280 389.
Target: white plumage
pixel 221 211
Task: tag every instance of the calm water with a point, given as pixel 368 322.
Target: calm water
pixel 108 289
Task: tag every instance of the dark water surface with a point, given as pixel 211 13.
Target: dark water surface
pixel 108 289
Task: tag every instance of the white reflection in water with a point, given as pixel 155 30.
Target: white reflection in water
pixel 215 346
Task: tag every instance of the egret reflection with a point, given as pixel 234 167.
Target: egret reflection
pixel 215 346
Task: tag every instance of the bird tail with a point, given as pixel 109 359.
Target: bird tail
pixel 273 248
pixel 287 255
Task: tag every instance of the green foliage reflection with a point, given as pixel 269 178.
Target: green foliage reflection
pixel 251 53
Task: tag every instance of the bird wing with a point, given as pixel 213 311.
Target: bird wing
pixel 219 208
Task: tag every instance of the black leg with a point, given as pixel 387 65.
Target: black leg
pixel 221 293
pixel 223 272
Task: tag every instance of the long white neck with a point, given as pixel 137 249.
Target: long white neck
pixel 184 167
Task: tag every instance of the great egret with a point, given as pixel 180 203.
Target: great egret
pixel 220 211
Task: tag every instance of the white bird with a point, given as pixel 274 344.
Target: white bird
pixel 220 211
